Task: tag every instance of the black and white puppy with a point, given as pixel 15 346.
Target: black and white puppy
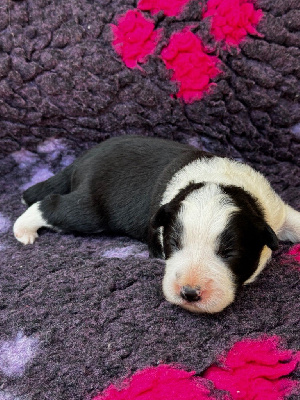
pixel 214 220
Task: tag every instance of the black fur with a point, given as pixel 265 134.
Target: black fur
pixel 116 186
pixel 166 216
pixel 246 234
pixel 58 184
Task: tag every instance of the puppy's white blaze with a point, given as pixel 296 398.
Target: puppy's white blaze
pixel 228 172
pixel 26 226
pixel 203 215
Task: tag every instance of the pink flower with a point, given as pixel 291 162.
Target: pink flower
pixel 169 7
pixel 192 67
pixel 232 20
pixel 295 252
pixel 254 369
pixel 156 383
pixel 134 38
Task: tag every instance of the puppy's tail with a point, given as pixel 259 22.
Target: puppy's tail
pixel 57 184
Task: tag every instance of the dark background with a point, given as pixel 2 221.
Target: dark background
pixel 93 305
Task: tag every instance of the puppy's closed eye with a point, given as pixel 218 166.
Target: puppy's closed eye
pixel 174 242
pixel 227 253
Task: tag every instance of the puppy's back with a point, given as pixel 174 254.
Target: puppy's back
pixel 127 176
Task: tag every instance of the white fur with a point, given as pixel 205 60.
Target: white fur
pixel 228 172
pixel 290 230
pixel 27 225
pixel 203 216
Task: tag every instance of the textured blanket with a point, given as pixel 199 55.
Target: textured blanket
pixel 79 313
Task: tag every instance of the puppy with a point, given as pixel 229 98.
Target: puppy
pixel 214 220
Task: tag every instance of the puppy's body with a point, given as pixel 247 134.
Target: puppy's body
pixel 114 186
pixel 211 218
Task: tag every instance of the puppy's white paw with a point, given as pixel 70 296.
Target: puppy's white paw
pixel 23 234
pixel 27 225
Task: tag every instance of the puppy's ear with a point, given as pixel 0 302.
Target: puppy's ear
pixel 161 217
pixel 155 248
pixel 270 237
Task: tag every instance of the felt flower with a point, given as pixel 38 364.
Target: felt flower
pixel 232 20
pixel 295 252
pixel 157 383
pixel 170 8
pixel 192 67
pixel 134 38
pixel 254 370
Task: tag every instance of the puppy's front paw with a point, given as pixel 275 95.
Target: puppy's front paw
pixel 23 234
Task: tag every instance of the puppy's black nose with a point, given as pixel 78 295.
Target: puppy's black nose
pixel 190 294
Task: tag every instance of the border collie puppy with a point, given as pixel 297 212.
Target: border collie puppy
pixel 214 220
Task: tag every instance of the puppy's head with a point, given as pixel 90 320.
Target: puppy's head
pixel 214 239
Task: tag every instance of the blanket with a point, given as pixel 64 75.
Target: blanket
pixel 79 313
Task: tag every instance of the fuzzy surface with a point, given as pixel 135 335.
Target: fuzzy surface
pixel 78 313
pixel 134 38
pixel 254 369
pixel 232 20
pixel 191 66
pixel 158 383
pixel 295 252
pixel 169 8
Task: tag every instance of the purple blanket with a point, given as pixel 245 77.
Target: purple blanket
pixel 78 312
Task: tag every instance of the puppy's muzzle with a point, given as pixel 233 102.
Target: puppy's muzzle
pixel 190 294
